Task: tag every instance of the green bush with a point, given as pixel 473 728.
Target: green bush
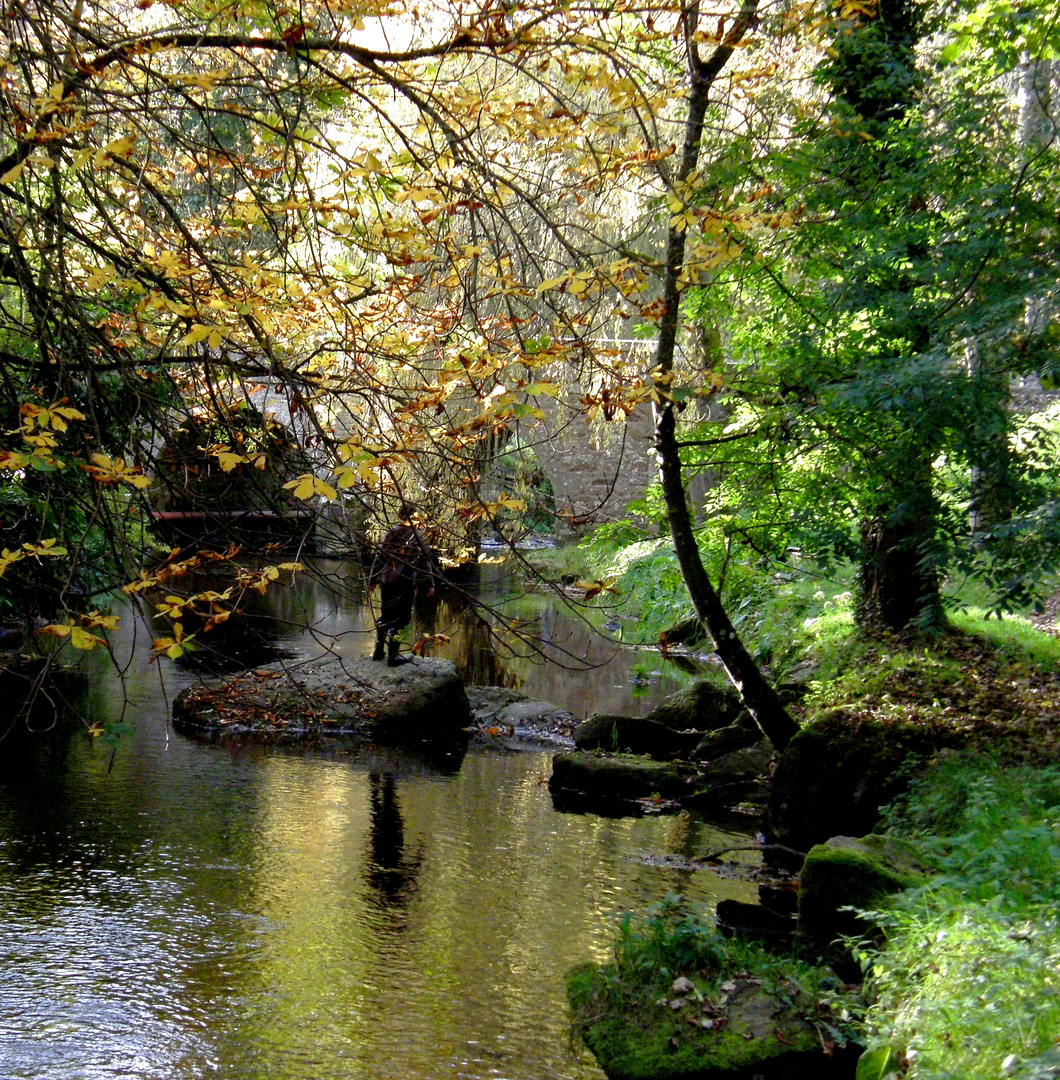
pixel 968 984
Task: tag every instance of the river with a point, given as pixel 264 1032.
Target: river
pixel 170 909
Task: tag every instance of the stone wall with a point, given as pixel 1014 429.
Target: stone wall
pixel 596 469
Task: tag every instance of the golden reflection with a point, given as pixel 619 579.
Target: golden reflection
pixel 415 923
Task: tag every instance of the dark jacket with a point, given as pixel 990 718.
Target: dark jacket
pixel 402 556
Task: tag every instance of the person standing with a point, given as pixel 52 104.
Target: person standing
pixel 402 561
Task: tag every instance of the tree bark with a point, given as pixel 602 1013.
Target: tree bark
pixel 898 581
pixel 757 695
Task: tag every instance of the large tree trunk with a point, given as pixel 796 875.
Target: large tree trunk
pixel 758 696
pixel 898 580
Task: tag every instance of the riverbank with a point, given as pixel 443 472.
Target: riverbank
pixel 966 982
pixel 960 970
pixel 951 744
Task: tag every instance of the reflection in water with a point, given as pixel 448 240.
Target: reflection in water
pixel 391 872
pixel 269 914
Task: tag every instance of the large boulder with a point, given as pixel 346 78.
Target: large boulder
pixel 847 875
pixel 838 772
pixel 741 776
pixel 420 700
pixel 608 782
pixel 743 732
pixel 704 706
pixel 674 728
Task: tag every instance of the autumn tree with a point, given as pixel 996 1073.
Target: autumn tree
pixel 388 241
pixel 392 228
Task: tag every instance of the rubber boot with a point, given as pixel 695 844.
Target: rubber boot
pixel 392 657
pixel 380 648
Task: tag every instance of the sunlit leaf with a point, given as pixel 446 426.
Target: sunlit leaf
pixel 307 485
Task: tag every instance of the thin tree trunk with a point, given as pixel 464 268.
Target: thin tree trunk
pixel 990 478
pixel 758 696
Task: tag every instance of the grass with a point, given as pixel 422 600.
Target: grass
pixel 968 984
pixel 964 992
pixel 1013 634
pixel 564 563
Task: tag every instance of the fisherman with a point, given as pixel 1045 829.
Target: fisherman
pixel 402 560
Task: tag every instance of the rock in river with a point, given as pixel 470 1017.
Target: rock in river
pixel 420 700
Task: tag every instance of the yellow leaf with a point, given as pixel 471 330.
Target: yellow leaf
pixel 538 388
pixel 9 558
pixel 227 460
pixel 82 639
pixel 121 147
pixel 347 475
pixel 13 173
pixel 104 622
pixel 593 588
pixel 307 485
pixel 104 470
pixel 99 277
pixel 174 647
pixel 45 547
pixel 196 334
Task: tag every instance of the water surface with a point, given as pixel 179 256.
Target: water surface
pixel 179 910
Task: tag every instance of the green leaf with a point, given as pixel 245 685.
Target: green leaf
pixel 875 1064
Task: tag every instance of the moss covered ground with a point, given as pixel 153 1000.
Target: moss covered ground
pixel 957 688
pixel 679 1000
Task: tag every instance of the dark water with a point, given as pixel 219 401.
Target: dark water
pixel 177 910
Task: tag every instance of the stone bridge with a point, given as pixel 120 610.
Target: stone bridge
pixel 596 469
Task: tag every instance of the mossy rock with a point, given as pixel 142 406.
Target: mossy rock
pixel 836 774
pixel 702 707
pixel 748 1030
pixel 617 776
pixel 633 735
pixel 742 733
pixel 738 777
pixel 857 873
pixel 688 632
